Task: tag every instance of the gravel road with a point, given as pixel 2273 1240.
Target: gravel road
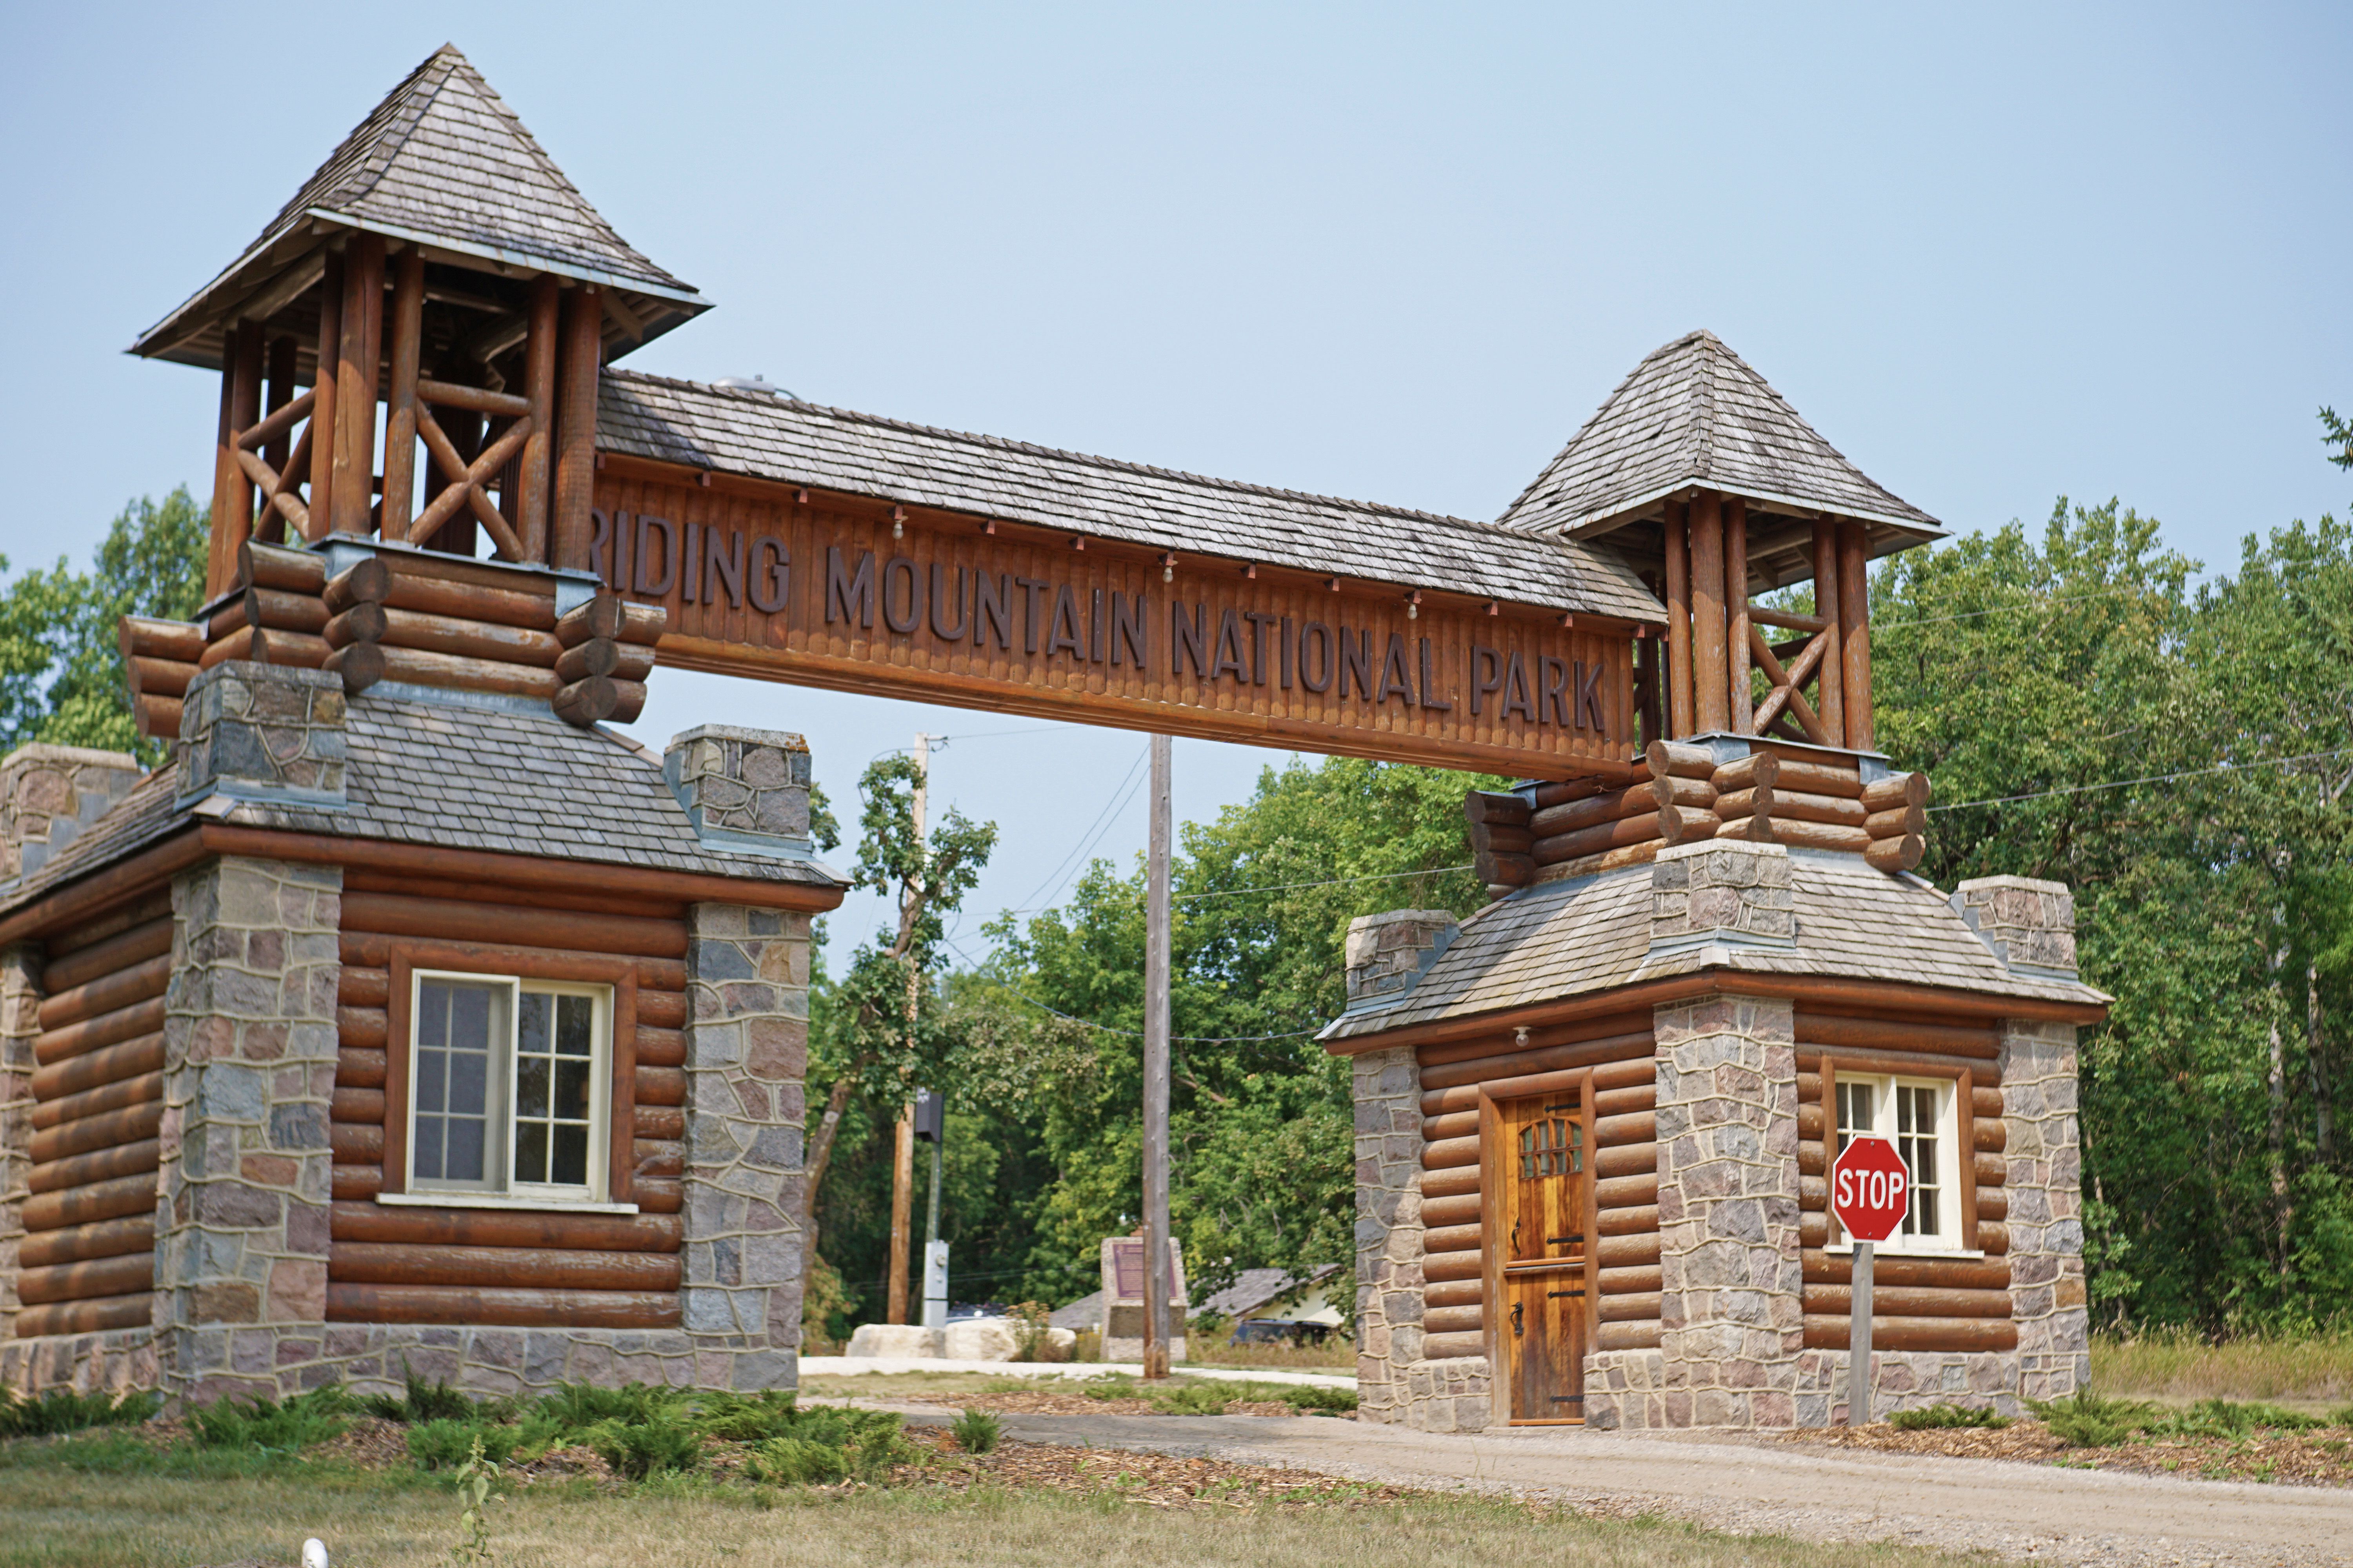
pixel 2024 1512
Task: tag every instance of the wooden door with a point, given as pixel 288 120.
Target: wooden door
pixel 1541 1235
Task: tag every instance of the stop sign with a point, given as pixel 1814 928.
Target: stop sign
pixel 1870 1189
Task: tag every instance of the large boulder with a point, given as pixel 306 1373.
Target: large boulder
pixel 895 1339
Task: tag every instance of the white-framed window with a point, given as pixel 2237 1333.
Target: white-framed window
pixel 1920 1117
pixel 509 1087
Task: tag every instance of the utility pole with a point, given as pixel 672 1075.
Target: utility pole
pixel 902 1162
pixel 1156 1072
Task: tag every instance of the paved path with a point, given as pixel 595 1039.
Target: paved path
pixel 2028 1512
pixel 858 1365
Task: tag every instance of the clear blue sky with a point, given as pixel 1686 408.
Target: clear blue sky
pixel 1995 254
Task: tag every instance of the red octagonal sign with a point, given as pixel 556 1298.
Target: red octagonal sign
pixel 1870 1189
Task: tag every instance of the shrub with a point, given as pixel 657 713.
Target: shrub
pixel 262 1423
pixel 977 1431
pixel 419 1401
pixel 798 1462
pixel 2227 1419
pixel 1936 1418
pixel 444 1442
pixel 878 1445
pixel 739 1419
pixel 2084 1420
pixel 61 1410
pixel 1033 1338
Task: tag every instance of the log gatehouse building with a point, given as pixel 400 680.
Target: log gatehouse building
pixel 407 1013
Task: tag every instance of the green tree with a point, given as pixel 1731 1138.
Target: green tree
pixel 61 677
pixel 1260 1117
pixel 878 1035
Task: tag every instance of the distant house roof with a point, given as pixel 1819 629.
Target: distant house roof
pixel 763 435
pixel 1696 414
pixel 442 162
pixel 1559 940
pixel 532 784
pixel 1086 1312
pixel 1254 1287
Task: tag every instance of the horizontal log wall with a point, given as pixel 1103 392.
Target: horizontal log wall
pixel 87 1258
pixel 1617 1049
pixel 396 1264
pixel 1944 1304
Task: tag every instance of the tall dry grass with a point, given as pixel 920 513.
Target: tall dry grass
pixel 2176 1365
pixel 49 1519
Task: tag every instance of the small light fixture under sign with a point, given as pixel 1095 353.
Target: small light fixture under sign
pixel 898 522
pixel 1413 606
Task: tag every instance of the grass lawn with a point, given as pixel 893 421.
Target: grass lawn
pixel 228 1512
pixel 2313 1374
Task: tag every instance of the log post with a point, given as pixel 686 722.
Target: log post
pixel 356 360
pixel 1679 621
pixel 232 490
pixel 1855 633
pixel 1712 705
pixel 1736 599
pixel 272 526
pixel 1830 703
pixel 539 356
pixel 400 400
pixel 324 380
pixel 576 439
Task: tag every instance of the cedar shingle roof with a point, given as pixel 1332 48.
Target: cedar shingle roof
pixel 766 437
pixel 1695 414
pixel 443 161
pixel 460 775
pixel 1558 940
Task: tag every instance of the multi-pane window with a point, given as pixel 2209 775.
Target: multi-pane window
pixel 507 1086
pixel 1551 1146
pixel 1917 1115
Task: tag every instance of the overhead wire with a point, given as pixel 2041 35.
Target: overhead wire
pixel 2151 778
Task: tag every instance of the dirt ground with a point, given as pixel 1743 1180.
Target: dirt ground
pixel 2020 1507
pixel 2322 1457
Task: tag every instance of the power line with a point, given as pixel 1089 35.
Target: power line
pixel 2152 778
pixel 1101 822
pixel 1109 1030
pixel 2003 609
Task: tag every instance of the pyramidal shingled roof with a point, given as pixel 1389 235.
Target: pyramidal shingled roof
pixel 1694 412
pixel 444 159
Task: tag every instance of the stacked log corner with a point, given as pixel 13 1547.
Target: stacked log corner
pixel 1500 840
pixel 1896 818
pixel 159 659
pixel 608 651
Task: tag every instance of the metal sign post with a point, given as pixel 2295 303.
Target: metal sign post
pixel 1870 1192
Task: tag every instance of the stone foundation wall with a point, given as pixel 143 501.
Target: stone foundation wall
pixel 1908 1380
pixel 1625 1391
pixel 1456 1395
pixel 1731 1314
pixel 1389 1229
pixel 116 1361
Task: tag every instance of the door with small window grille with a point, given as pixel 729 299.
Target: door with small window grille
pixel 1546 1181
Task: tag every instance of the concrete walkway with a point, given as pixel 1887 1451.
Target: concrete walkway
pixel 2027 1512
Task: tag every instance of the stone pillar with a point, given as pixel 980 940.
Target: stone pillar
pixel 2029 925
pixel 746 1060
pixel 1389 1226
pixel 20 1020
pixel 742 789
pixel 2046 1208
pixel 1387 953
pixel 1722 894
pixel 249 1042
pixel 1732 1310
pixel 263 732
pixel 48 794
